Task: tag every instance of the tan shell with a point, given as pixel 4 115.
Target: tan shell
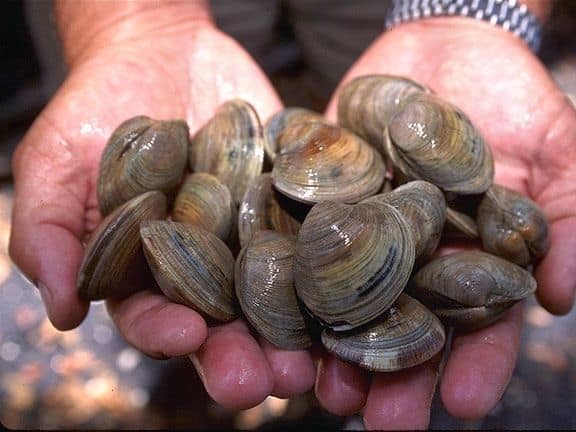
pixel 263 208
pixel 265 290
pixel 512 226
pixel 205 202
pixel 430 139
pixel 114 245
pixel 423 205
pixel 471 289
pixel 230 146
pixel 320 162
pixel 405 335
pixel 141 155
pixel 192 267
pixel 278 122
pixel 367 103
pixel 352 262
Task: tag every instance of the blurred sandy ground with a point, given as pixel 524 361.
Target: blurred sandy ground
pixel 89 378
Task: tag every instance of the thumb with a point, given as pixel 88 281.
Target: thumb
pixel 51 190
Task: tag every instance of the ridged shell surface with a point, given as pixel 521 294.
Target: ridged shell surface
pixel 141 155
pixel 512 226
pixel 230 146
pixel 113 246
pixel 352 262
pixel 192 267
pixel 471 289
pixel 278 122
pixel 204 201
pixel 263 208
pixel 430 139
pixel 264 282
pixel 424 207
pixel 406 335
pixel 321 162
pixel 367 103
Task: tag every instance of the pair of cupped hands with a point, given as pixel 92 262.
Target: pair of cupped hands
pixel 187 71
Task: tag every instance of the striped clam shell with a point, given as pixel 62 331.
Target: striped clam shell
pixel 322 162
pixel 192 266
pixel 230 146
pixel 352 262
pixel 406 335
pixel 264 281
pixel 141 155
pixel 430 139
pixel 470 289
pixel 114 245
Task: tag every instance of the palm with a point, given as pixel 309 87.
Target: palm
pixel 531 128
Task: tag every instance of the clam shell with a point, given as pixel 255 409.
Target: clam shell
pixel 114 245
pixel 352 262
pixel 367 103
pixel 141 155
pixel 230 146
pixel 278 122
pixel 192 267
pixel 263 208
pixel 512 226
pixel 321 162
pixel 264 284
pixel 423 205
pixel 205 202
pixel 406 335
pixel 430 139
pixel 471 289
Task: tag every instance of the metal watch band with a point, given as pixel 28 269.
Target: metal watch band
pixel 508 14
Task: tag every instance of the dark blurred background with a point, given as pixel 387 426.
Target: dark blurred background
pixel 90 378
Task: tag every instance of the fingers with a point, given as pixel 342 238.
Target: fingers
pixel 341 388
pixel 293 371
pixel 555 274
pixel 401 400
pixel 233 368
pixel 156 326
pixel 47 222
pixel 480 367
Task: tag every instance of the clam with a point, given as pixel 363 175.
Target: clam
pixel 367 103
pixel 430 139
pixel 192 266
pixel 264 281
pixel 263 208
pixel 278 122
pixel 352 262
pixel 471 289
pixel 423 205
pixel 114 245
pixel 512 226
pixel 230 146
pixel 141 155
pixel 406 335
pixel 321 162
pixel 203 201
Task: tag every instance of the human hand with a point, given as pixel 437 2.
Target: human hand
pixel 531 127
pixel 166 67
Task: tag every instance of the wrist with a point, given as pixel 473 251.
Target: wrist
pixel 86 28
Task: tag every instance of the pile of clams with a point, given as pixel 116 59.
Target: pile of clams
pixel 316 231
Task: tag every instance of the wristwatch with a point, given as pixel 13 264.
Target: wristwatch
pixel 508 14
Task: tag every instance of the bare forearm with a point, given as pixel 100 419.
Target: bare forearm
pixel 88 25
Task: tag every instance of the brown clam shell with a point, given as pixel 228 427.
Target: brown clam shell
pixel 264 281
pixel 141 155
pixel 114 245
pixel 406 335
